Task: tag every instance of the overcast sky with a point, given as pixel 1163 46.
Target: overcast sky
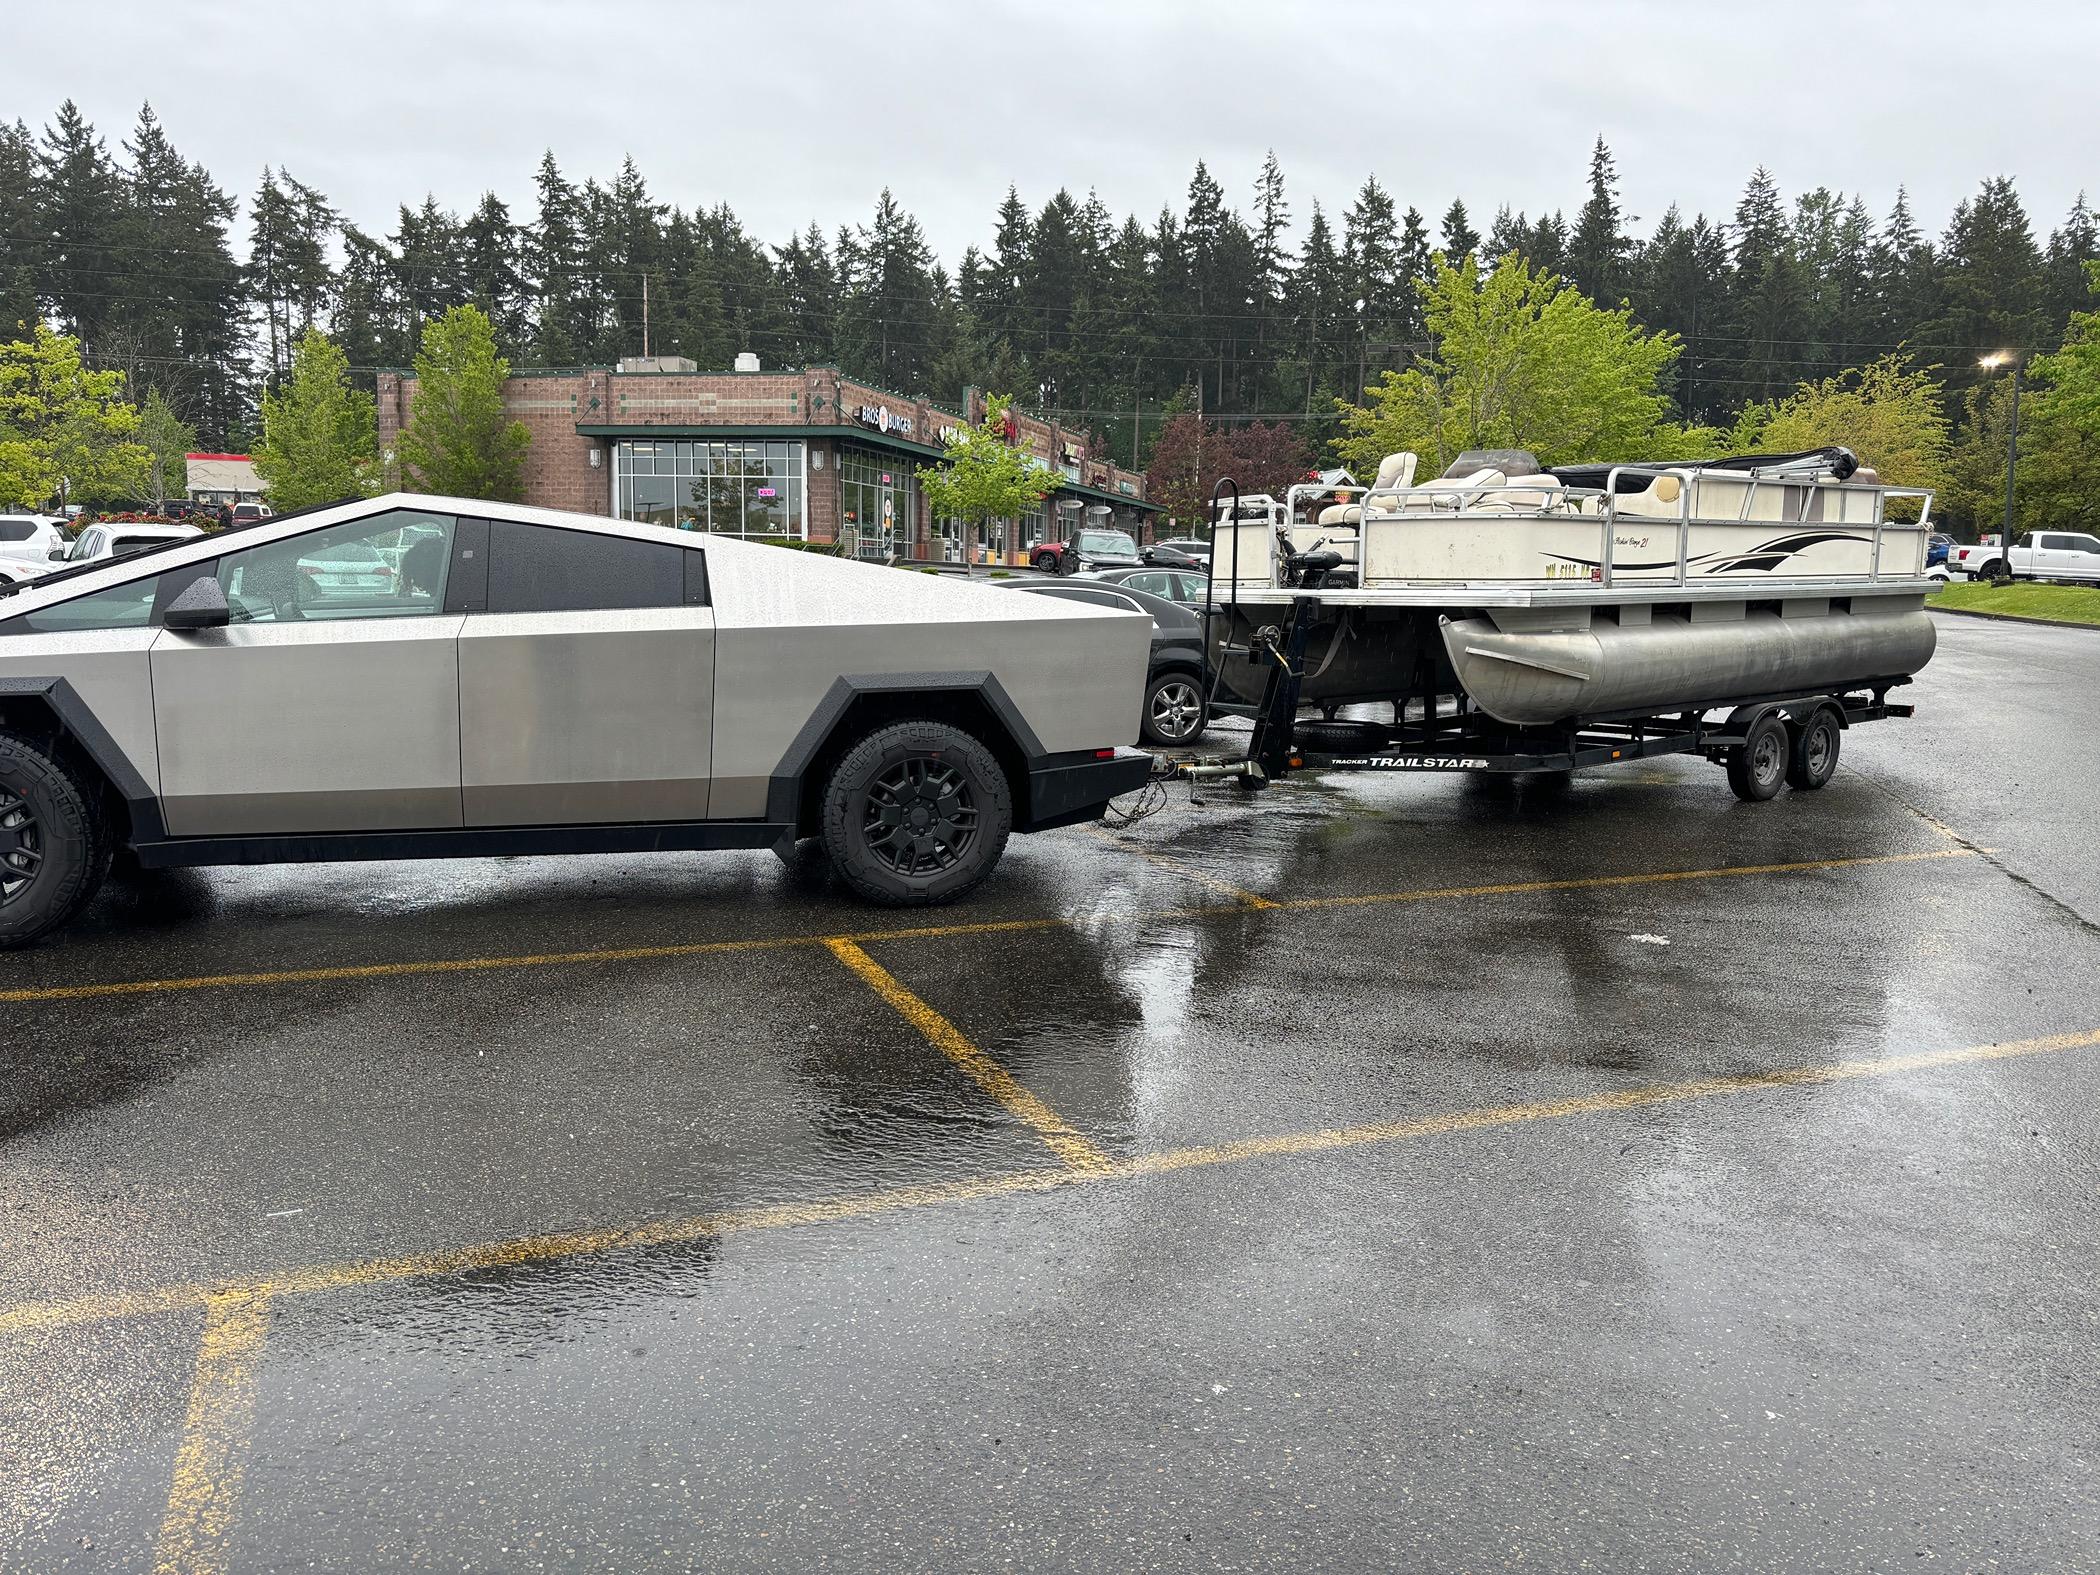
pixel 802 110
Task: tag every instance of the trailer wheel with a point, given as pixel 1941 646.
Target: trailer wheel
pixel 1757 766
pixel 1812 758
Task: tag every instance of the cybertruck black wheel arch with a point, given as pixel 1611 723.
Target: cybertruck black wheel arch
pixel 822 738
pixel 72 719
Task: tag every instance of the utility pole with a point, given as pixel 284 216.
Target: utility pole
pixel 1137 404
pixel 645 317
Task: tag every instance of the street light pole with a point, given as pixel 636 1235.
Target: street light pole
pixel 2012 460
pixel 1991 363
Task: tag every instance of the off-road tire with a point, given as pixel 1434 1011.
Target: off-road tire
pixel 867 784
pixel 1812 758
pixel 1757 766
pixel 52 809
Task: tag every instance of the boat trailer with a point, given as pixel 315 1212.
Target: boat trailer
pixel 1764 741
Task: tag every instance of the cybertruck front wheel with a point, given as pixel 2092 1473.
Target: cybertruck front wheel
pixel 54 849
pixel 916 814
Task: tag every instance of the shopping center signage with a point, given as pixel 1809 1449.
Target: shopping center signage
pixel 884 419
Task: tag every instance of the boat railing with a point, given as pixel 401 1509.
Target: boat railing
pixel 1515 502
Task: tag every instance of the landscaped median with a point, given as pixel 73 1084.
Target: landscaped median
pixel 2038 603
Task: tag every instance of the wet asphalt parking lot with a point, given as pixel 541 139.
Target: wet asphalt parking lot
pixel 1394 1172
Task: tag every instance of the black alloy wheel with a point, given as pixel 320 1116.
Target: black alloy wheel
pixel 21 845
pixel 921 816
pixel 916 813
pixel 54 844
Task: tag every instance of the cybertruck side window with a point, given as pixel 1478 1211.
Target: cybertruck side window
pixel 136 604
pixel 543 568
pixel 390 565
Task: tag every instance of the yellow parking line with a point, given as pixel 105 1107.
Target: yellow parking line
pixel 1160 860
pixel 394 970
pixel 1645 878
pixel 38 1316
pixel 208 1466
pixel 990 1076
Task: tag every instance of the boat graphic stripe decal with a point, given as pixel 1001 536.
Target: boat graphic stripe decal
pixel 1764 557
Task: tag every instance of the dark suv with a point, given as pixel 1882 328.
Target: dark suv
pixel 1088 549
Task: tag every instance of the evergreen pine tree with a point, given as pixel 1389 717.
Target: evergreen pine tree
pixel 1459 237
pixel 1597 250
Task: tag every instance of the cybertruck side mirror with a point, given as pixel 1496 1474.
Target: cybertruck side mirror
pixel 201 606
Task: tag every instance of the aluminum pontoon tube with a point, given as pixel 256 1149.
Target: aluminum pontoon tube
pixel 1527 678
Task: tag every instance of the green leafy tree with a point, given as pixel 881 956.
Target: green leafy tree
pixel 1523 361
pixel 982 476
pixel 65 432
pixel 318 433
pixel 169 439
pixel 1890 413
pixel 2060 425
pixel 458 440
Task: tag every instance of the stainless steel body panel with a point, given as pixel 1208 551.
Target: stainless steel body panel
pixel 1525 676
pixel 785 632
pixel 568 718
pixel 107 669
pixel 353 724
pixel 348 724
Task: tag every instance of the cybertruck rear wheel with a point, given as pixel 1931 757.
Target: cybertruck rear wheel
pixel 54 849
pixel 916 814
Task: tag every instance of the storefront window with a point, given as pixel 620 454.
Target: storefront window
pixel 878 500
pixel 738 487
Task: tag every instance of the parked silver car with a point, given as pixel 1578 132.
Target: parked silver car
pixel 415 677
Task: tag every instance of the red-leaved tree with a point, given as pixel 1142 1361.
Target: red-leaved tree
pixel 1193 453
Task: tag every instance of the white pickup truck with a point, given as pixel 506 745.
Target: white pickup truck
pixel 2036 555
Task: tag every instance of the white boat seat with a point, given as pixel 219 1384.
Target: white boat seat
pixel 1661 500
pixel 1543 492
pixel 1396 472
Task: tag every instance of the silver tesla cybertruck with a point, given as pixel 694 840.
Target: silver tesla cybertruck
pixel 410 677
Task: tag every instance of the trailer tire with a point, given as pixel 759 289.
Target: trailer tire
pixel 1812 754
pixel 1757 766
pixel 894 779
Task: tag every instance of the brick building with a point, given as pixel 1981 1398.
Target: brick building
pixel 809 454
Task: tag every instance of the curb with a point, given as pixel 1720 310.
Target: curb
pixel 2043 623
